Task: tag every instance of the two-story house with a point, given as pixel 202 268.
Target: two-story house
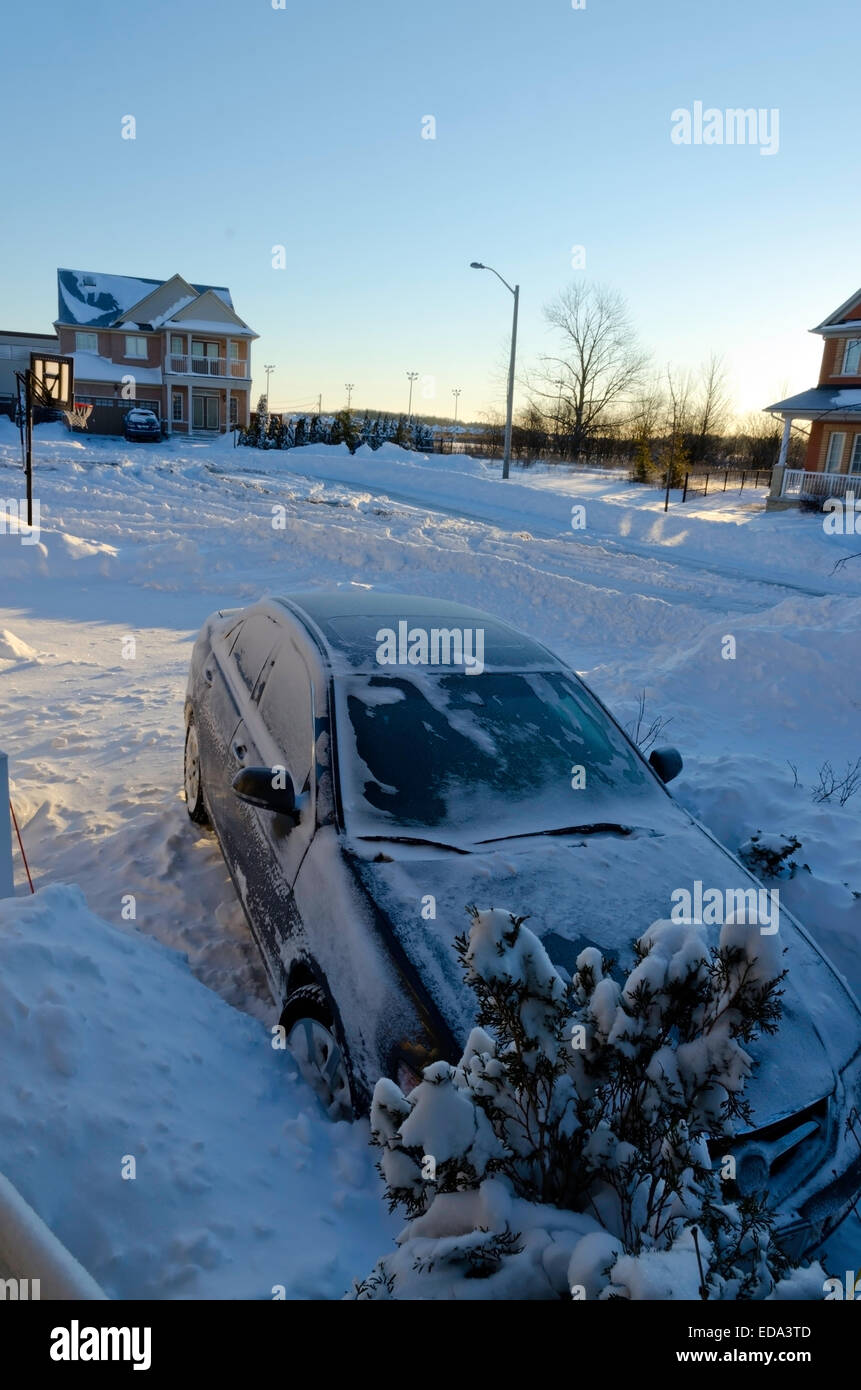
pixel 833 459
pixel 180 349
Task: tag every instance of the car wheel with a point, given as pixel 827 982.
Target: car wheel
pixel 191 777
pixel 320 1055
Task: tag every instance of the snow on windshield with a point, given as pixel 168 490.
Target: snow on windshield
pixel 500 753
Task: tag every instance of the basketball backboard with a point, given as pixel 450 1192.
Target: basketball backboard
pixel 52 380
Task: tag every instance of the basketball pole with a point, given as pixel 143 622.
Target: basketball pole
pixel 28 465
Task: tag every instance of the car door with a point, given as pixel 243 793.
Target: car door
pixel 230 674
pixel 280 729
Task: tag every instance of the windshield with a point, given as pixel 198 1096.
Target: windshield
pixel 486 755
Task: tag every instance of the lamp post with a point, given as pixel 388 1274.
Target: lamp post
pixel 349 389
pixel 413 376
pixel 506 456
pixel 268 369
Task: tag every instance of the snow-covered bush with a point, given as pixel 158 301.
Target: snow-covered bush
pixel 566 1154
pixel 768 856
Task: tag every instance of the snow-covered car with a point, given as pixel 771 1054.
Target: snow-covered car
pixel 141 424
pixel 373 763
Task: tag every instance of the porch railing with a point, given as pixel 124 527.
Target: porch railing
pixel 798 483
pixel 233 367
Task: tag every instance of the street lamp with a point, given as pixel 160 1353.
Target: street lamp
pixel 506 457
pixel 268 369
pixel 349 389
pixel 413 376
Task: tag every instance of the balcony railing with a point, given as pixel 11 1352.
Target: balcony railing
pixel 798 483
pixel 207 366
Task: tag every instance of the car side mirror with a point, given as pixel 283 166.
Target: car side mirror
pixel 261 786
pixel 667 762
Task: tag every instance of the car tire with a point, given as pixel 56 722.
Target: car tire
pixel 313 1038
pixel 191 778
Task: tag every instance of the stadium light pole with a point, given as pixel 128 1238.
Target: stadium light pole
pixel 413 376
pixel 455 392
pixel 349 388
pixel 268 369
pixel 506 456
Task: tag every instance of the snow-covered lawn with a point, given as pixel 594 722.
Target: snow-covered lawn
pixel 142 542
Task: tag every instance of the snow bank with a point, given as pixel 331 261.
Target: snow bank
pixel 113 1053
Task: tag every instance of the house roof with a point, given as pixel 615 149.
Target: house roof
pixel 818 401
pixel 92 299
pixel 840 315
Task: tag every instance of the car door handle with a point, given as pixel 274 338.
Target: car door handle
pixel 239 750
pixel 208 675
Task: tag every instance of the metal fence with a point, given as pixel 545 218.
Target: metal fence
pixel 700 482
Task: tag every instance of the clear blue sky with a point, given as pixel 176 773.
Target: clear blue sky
pixel 302 127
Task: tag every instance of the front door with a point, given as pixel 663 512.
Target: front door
pixel 205 412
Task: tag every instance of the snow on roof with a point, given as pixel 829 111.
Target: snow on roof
pixel 89 366
pixel 96 300
pixel 222 327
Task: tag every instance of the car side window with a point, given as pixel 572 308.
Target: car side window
pixel 257 637
pixel 287 710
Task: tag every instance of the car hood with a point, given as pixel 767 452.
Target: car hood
pixel 604 890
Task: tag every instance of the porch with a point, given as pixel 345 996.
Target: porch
pixel 798 484
pixel 210 410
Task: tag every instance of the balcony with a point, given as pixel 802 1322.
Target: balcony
pixel 233 368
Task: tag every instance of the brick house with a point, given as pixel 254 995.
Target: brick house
pixel 180 349
pixel 832 463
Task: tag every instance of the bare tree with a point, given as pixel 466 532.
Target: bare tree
pixel 710 408
pixel 599 367
pixel 674 457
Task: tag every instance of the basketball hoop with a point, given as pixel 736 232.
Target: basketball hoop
pixel 52 380
pixel 77 417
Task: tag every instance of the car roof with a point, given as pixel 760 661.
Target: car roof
pixel 346 622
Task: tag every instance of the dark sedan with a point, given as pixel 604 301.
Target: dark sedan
pixel 141 424
pixel 372 763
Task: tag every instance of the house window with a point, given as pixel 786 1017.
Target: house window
pixel 834 457
pixel 135 347
pixel 855 461
pixel 234 415
pixel 86 342
pixel 177 344
pixel 852 357
pixel 234 351
pixel 177 405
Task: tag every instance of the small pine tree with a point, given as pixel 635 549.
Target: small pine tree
pixel 300 432
pixel 566 1154
pixel 262 422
